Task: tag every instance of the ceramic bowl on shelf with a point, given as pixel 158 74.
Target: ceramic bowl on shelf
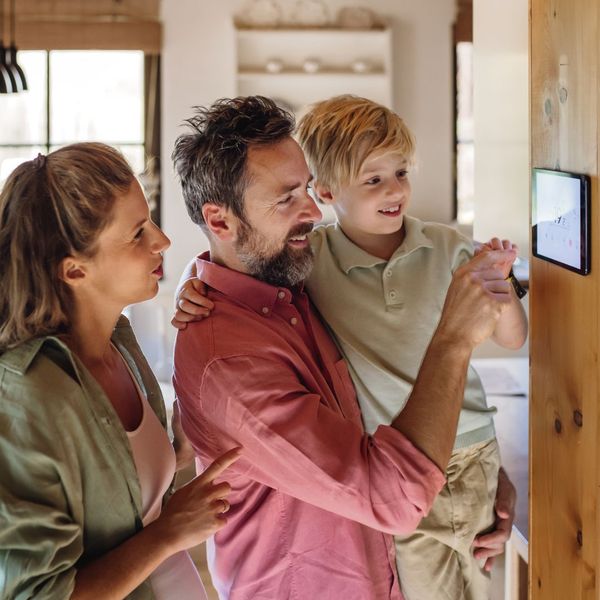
pixel 309 13
pixel 361 66
pixel 260 13
pixel 356 17
pixel 311 65
pixel 274 65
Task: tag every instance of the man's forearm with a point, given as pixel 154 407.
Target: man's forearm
pixel 430 417
pixel 511 330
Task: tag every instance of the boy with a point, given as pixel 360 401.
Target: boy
pixel 379 281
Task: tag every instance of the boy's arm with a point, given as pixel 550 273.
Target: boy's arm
pixel 511 330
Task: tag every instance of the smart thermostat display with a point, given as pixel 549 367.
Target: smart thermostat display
pixel 561 219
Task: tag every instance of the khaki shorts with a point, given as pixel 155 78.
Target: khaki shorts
pixel 436 562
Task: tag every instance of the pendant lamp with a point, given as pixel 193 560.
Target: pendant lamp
pixel 6 82
pixel 11 54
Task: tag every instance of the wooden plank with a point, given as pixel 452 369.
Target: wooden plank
pixel 564 314
pixel 48 35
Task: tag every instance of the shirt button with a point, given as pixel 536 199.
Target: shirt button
pixel 281 295
pixel 293 320
pixel 388 273
pixel 392 294
pixel 265 310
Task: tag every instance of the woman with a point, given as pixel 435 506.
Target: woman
pixel 85 461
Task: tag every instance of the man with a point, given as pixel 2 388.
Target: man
pixel 314 498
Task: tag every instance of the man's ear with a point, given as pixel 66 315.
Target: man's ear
pixel 323 193
pixel 220 221
pixel 72 271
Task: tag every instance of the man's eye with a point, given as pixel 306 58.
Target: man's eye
pixel 285 200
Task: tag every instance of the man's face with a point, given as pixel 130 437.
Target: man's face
pixel 273 245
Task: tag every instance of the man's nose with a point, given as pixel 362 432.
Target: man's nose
pixel 310 212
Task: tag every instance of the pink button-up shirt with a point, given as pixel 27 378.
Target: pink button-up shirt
pixel 314 497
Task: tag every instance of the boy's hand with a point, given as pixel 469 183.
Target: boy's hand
pixel 498 244
pixel 490 545
pixel 191 303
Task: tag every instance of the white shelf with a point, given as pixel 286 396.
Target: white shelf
pixel 335 49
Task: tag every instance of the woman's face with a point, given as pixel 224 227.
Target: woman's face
pixel 128 260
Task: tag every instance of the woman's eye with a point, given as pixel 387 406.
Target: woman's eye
pixel 139 234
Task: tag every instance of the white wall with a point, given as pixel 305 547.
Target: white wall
pixel 501 114
pixel 199 66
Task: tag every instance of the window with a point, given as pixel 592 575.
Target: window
pixel 74 96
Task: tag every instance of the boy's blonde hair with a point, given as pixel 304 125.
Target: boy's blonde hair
pixel 50 208
pixel 338 134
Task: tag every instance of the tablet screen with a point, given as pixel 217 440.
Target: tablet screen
pixel 560 218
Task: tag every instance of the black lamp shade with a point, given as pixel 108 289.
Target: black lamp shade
pixel 19 76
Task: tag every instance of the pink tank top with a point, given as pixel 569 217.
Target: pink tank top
pixel 176 578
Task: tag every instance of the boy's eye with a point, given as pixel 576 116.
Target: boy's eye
pixel 373 181
pixel 402 173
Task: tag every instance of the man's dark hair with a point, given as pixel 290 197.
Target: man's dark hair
pixel 211 160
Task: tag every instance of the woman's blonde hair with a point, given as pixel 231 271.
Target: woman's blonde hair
pixel 50 208
pixel 338 134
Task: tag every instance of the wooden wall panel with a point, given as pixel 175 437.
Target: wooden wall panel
pixel 565 334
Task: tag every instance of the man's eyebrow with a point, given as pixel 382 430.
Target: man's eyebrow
pixel 290 188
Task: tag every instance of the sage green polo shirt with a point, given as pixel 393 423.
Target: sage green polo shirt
pixel 384 313
pixel 69 489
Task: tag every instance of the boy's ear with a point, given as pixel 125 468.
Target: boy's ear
pixel 220 221
pixel 72 270
pixel 323 193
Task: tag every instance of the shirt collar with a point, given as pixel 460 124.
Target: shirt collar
pixel 258 295
pixel 350 256
pixel 19 359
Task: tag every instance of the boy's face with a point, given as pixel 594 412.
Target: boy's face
pixel 376 201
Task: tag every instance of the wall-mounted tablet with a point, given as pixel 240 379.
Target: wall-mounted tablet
pixel 560 217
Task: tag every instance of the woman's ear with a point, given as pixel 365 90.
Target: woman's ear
pixel 72 271
pixel 323 193
pixel 220 221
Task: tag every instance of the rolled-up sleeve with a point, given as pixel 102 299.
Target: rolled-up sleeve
pixel 40 543
pixel 293 442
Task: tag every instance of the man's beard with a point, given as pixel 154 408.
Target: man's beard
pixel 286 268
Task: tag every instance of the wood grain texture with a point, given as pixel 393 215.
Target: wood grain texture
pixel 565 330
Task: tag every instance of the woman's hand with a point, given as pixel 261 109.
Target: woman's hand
pixel 191 303
pixel 195 511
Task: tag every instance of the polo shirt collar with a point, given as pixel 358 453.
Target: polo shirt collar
pixel 350 256
pixel 258 295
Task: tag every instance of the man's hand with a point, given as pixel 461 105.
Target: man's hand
pixel 477 296
pixel 191 303
pixel 490 545
pixel 498 244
